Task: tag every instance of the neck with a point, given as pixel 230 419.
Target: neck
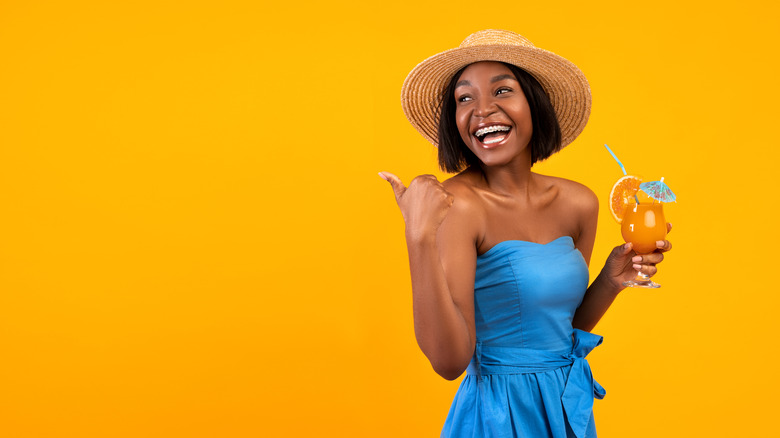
pixel 513 179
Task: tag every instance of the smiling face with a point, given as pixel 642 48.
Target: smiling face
pixel 492 114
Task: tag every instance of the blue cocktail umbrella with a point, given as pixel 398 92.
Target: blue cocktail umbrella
pixel 658 190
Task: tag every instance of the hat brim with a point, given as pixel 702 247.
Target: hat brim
pixel 564 83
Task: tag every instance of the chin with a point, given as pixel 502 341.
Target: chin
pixel 493 161
pixel 497 159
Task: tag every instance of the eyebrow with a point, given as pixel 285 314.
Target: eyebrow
pixel 493 80
pixel 501 78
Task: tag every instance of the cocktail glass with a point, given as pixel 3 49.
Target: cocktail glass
pixel 643 225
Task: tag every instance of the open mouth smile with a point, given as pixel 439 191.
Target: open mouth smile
pixel 493 134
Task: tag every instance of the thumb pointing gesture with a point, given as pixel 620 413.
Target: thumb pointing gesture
pixel 424 204
pixel 398 187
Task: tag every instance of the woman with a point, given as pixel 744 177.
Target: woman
pixel 498 254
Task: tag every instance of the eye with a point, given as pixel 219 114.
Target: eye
pixel 503 90
pixel 464 98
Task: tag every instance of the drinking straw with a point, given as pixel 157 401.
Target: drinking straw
pixel 621 166
pixel 616 159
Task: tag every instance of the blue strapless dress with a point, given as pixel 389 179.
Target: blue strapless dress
pixel 529 377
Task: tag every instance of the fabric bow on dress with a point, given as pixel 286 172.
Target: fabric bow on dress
pixel 580 389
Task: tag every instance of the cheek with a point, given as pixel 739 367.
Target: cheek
pixel 528 120
pixel 525 122
pixel 461 120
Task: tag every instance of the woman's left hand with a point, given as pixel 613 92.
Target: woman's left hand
pixel 623 264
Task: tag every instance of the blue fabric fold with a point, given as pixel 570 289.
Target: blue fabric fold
pixel 580 389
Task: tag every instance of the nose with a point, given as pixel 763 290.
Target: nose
pixel 485 107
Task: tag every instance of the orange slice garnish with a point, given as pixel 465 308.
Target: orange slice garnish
pixel 622 192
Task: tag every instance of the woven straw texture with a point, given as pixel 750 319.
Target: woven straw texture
pixel 564 83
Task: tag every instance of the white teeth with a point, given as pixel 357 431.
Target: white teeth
pixel 487 130
pixel 495 140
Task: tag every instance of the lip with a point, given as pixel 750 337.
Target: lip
pixel 491 145
pixel 494 145
pixel 488 124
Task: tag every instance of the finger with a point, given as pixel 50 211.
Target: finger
pixel 663 245
pixel 427 177
pixel 668 227
pixel 624 249
pixel 431 182
pixel 648 270
pixel 395 182
pixel 651 258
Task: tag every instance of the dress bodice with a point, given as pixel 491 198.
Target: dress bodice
pixel 525 293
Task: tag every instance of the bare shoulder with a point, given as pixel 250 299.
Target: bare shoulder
pixel 574 195
pixel 582 210
pixel 467 212
pixel 463 188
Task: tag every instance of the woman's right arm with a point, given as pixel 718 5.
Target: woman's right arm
pixel 442 262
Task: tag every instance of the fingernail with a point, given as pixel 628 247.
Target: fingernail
pixel 382 176
pixel 659 243
pixel 637 267
pixel 627 245
pixel 637 259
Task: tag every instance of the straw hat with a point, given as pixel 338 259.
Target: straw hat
pixel 564 83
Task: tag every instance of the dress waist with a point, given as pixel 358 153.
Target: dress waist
pixel 491 359
pixel 580 389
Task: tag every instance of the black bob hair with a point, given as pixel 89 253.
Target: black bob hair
pixel 455 156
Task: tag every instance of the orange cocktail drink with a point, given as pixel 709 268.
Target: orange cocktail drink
pixel 643 225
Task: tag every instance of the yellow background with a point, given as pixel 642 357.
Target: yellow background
pixel 194 241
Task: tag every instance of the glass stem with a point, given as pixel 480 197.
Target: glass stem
pixel 641 276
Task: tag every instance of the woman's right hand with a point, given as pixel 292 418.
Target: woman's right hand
pixel 424 204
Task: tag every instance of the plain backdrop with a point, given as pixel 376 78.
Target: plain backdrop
pixel 194 241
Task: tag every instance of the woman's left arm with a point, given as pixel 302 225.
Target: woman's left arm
pixel 622 265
